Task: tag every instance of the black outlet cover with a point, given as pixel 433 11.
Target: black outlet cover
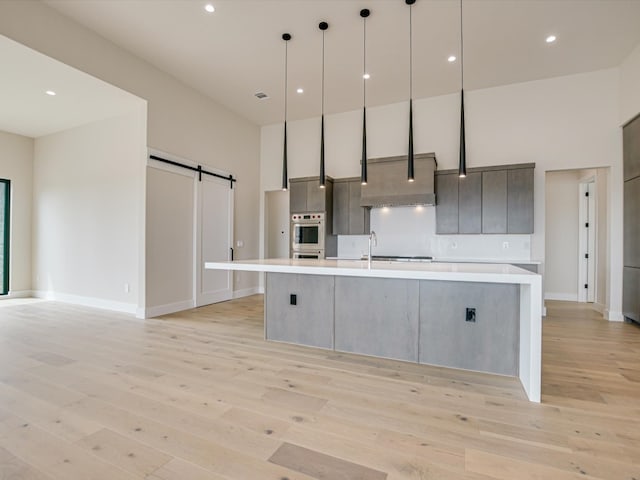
pixel 471 315
pixel 293 299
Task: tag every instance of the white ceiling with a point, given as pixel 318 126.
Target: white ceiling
pixel 80 98
pixel 238 50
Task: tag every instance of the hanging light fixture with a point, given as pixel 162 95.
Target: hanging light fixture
pixel 364 13
pixel 462 166
pixel 322 26
pixel 410 164
pixel 285 179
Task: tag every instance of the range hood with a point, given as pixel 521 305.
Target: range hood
pixel 388 186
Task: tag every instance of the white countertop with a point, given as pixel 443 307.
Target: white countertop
pixel 461 272
pixel 464 260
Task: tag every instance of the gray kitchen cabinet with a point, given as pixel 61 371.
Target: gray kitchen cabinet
pixel 631 293
pixel 490 343
pixel 310 320
pixel 446 187
pixel 632 223
pixel 297 196
pixel 631 147
pixel 349 218
pixel 520 200
pixel 377 316
pixel 316 196
pixel 470 203
pixel 494 201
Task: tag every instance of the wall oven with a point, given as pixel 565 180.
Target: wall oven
pixel 307 233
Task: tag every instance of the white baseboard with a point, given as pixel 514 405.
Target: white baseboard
pixel 156 311
pixel 599 307
pixel 246 292
pixel 87 301
pixel 613 316
pixel 568 297
pixel 18 294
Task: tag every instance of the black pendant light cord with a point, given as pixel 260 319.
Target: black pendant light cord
pixel 410 159
pixel 364 13
pixel 323 26
pixel 462 165
pixel 285 177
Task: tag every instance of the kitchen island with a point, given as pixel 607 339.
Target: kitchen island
pixel 482 317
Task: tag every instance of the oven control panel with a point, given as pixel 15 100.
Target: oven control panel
pixel 307 216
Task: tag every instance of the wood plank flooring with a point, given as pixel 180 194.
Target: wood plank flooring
pixel 91 394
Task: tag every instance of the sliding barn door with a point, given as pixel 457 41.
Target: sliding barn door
pixel 214 239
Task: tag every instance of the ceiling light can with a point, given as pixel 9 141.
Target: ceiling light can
pixel 209 8
pixel 550 39
pixel 51 93
pixel 451 59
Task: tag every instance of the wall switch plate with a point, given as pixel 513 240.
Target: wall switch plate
pixel 470 315
pixel 293 299
pixel 240 243
pixel 126 288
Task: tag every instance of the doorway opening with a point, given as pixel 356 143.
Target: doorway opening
pixel 576 236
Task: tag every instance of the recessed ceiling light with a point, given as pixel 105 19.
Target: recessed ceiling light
pixel 452 58
pixel 551 39
pixel 51 93
pixel 300 90
pixel 209 8
pixel 366 76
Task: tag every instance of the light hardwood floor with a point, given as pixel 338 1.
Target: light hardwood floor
pixel 90 394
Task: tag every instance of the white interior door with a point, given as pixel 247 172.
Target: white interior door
pixel 214 239
pixel 587 250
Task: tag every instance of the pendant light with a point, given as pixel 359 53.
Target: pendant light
pixel 364 13
pixel 322 26
pixel 462 166
pixel 285 179
pixel 410 164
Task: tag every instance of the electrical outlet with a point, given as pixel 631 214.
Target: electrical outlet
pixel 470 315
pixel 126 288
pixel 240 243
pixel 293 299
pixel 454 245
pixel 505 245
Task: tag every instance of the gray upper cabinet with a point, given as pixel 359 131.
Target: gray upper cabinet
pixel 488 200
pixel 298 197
pixel 494 201
pixel 446 203
pixel 305 195
pixel 349 218
pixel 520 200
pixel 631 146
pixel 470 203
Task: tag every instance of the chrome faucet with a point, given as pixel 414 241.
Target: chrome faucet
pixel 372 240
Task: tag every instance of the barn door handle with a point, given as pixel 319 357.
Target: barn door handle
pixel 231 253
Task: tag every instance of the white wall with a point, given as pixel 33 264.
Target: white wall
pixel 630 86
pixel 559 123
pixel 16 164
pixel 561 235
pixel 180 120
pixel 87 185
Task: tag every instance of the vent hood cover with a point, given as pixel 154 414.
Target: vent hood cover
pixel 388 186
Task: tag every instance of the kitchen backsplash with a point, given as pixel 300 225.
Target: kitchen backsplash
pixel 411 231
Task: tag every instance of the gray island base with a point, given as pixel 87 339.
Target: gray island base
pixel 422 321
pixel 480 317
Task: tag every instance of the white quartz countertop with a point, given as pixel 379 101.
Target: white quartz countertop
pixel 451 271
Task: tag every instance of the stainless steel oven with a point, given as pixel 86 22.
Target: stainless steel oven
pixel 310 254
pixel 307 232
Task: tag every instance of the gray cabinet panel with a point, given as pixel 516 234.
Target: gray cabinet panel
pixel 631 293
pixel 494 201
pixel 532 267
pixel 315 197
pixel 310 322
pixel 632 223
pixel 520 200
pixel 376 316
pixel 358 216
pixel 298 197
pixel 490 344
pixel 341 208
pixel 470 203
pixel 631 146
pixel 447 203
